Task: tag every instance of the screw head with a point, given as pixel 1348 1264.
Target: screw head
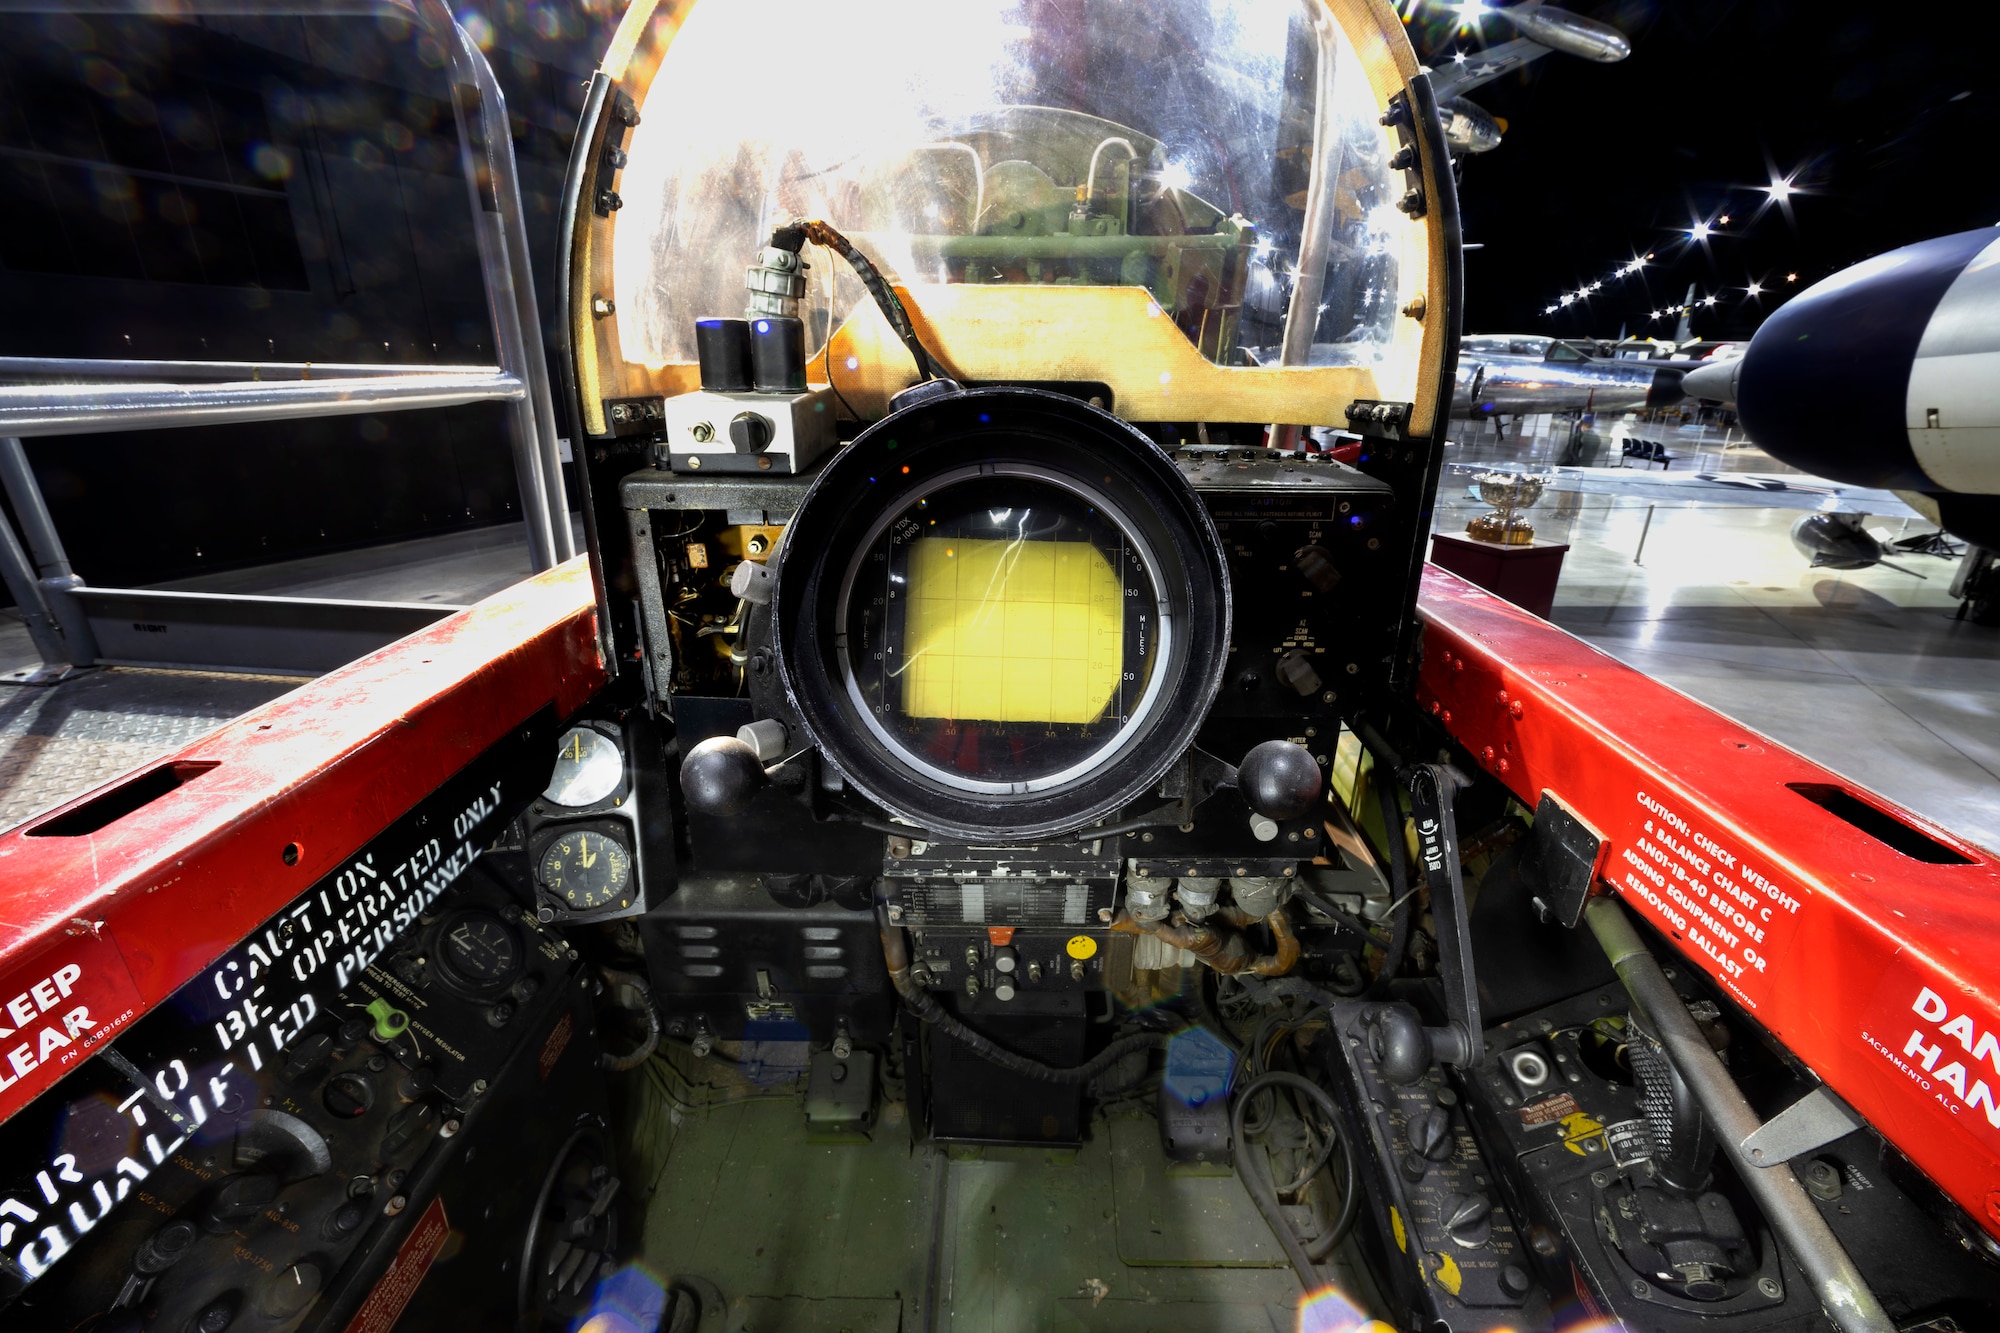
pixel 1769 1286
pixel 1640 1288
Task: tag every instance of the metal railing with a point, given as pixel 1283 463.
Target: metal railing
pixel 74 626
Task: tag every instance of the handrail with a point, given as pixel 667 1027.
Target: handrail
pixel 91 409
pixel 62 369
pixel 486 156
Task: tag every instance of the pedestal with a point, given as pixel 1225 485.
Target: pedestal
pixel 1524 575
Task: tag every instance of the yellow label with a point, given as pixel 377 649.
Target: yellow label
pixel 1402 1236
pixel 1011 631
pixel 1081 946
pixel 1576 1128
pixel 1448 1275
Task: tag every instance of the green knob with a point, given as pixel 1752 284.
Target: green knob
pixel 390 1022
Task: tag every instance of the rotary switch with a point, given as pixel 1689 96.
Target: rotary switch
pixel 1468 1219
pixel 750 432
pixel 1428 1133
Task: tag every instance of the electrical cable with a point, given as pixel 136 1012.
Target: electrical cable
pixel 619 1064
pixel 1257 1180
pixel 800 230
pixel 1345 920
pixel 1384 781
pixel 896 954
pixel 930 1011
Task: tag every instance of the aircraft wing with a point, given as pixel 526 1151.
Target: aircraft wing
pixel 1750 490
pixel 1458 77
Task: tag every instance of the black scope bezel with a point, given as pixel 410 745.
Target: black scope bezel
pixel 887 464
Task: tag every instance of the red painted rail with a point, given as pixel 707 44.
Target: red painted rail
pixel 1863 937
pixel 1873 964
pixel 98 926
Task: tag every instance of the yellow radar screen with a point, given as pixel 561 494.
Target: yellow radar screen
pixel 1011 630
pixel 1003 632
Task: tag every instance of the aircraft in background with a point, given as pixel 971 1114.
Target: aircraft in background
pixel 1517 375
pixel 1471 129
pixel 1884 376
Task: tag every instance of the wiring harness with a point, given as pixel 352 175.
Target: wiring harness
pixel 793 235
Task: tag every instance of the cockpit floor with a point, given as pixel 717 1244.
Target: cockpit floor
pixel 885 1235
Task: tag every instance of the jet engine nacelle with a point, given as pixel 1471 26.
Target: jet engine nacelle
pixel 1884 375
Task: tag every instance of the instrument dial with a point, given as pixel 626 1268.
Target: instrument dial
pixel 588 870
pixel 478 950
pixel 588 769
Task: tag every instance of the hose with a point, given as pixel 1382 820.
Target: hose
pixel 800 230
pixel 619 1064
pixel 896 953
pixel 1257 1179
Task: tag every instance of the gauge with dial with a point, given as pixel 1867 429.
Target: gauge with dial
pixel 478 950
pixel 588 769
pixel 587 870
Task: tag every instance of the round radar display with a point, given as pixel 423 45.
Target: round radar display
pixel 1002 613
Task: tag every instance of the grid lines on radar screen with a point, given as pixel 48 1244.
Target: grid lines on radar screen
pixel 1011 630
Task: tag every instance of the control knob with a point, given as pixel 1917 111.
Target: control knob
pixel 1468 1219
pixel 1429 1132
pixel 750 432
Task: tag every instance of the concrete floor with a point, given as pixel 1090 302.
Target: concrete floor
pixel 1865 672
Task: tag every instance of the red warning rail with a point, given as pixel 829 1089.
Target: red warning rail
pixel 1863 937
pixel 109 903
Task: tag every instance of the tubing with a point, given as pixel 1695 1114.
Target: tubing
pixel 619 1064
pixel 1818 1252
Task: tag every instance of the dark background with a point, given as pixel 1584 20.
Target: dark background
pixel 268 189
pixel 1888 113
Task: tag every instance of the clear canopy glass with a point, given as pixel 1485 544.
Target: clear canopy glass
pixel 1224 155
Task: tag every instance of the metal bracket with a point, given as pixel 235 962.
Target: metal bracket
pixel 1813 1121
pixel 1567 855
pixel 1431 787
pixel 1386 421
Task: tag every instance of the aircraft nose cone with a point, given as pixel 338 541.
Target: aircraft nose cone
pixel 1716 383
pixel 1823 385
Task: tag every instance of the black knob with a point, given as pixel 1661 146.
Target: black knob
pixel 307 1055
pixel 1468 1219
pixel 750 432
pixel 240 1198
pixel 349 1095
pixel 216 1315
pixel 721 775
pixel 1514 1280
pixel 164 1248
pixel 344 1221
pixel 290 1292
pixel 1429 1132
pixel 1315 563
pixel 1397 1040
pixel 1278 780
